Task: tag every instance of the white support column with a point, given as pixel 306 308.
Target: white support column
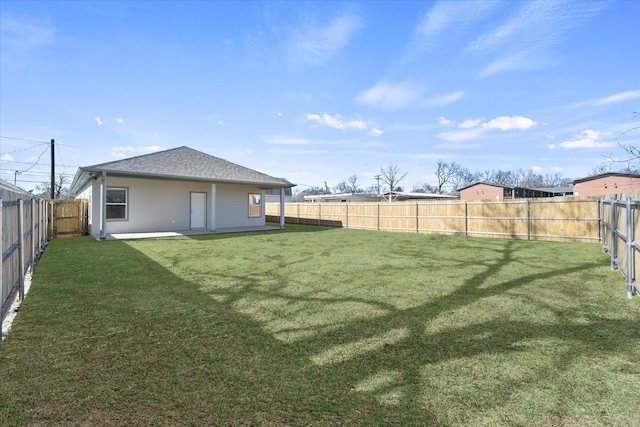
pixel 282 216
pixel 212 215
pixel 103 205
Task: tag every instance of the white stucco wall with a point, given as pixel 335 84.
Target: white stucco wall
pixel 164 205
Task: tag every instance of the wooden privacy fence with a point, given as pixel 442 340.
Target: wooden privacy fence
pixel 68 217
pixel 619 228
pixel 23 237
pixel 560 219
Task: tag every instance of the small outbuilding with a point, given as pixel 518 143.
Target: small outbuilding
pixel 487 191
pixel 606 184
pixel 175 190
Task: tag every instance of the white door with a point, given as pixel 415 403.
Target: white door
pixel 198 210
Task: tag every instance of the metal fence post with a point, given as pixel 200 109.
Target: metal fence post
pixel 612 233
pixel 629 242
pixel 21 240
pixel 33 234
pixel 599 205
pixel 1 264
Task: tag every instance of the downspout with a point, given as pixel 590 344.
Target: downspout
pixel 103 205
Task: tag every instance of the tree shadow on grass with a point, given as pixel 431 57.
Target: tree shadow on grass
pixel 142 346
pixel 389 355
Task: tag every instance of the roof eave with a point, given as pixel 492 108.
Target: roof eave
pixel 84 174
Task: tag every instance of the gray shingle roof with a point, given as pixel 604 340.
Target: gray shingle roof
pixel 180 163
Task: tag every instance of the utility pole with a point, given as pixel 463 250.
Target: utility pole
pixel 377 177
pixel 53 169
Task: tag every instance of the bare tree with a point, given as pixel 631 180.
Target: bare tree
pixel 445 172
pixel 342 187
pixel 353 180
pixel 632 152
pixel 392 176
pixel 463 178
pixel 424 188
pixel 60 189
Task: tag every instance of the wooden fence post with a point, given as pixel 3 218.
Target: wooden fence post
pixel 528 207
pixel 346 219
pixel 417 220
pixel 465 218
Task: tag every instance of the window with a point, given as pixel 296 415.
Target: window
pixel 255 208
pixel 117 203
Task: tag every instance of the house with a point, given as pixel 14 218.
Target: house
pixel 179 189
pixel 343 198
pixel 606 184
pixel 272 195
pixel 401 196
pixel 487 191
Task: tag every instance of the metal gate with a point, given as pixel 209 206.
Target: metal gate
pixel 618 222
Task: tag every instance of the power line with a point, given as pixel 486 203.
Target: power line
pixel 35 172
pixel 32 166
pixel 23 139
pixel 41 164
pixel 36 141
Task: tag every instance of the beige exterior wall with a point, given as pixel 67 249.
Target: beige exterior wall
pixel 606 186
pixel 156 205
pixel 482 192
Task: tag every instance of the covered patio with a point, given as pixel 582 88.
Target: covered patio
pixel 199 232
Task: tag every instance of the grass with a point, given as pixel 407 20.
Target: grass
pixel 317 327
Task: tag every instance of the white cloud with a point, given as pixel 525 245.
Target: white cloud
pixel 458 136
pixel 98 121
pixel 119 120
pixel 513 62
pixel 129 150
pixel 469 124
pixel 7 158
pixel 389 96
pixel 525 37
pixel 440 21
pixel 445 122
pixel 445 99
pixel 508 123
pixel 277 139
pixel 375 132
pixel 337 122
pixel 313 44
pixel 618 97
pixel 587 139
pixel 24 36
pixel 475 128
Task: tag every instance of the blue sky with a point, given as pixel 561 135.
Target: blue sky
pixel 320 91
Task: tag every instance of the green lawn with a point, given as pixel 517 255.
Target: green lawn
pixel 315 327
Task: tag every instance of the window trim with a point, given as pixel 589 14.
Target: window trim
pixel 255 202
pixel 125 204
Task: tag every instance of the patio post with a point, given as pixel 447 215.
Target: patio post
pixel 282 217
pixel 103 205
